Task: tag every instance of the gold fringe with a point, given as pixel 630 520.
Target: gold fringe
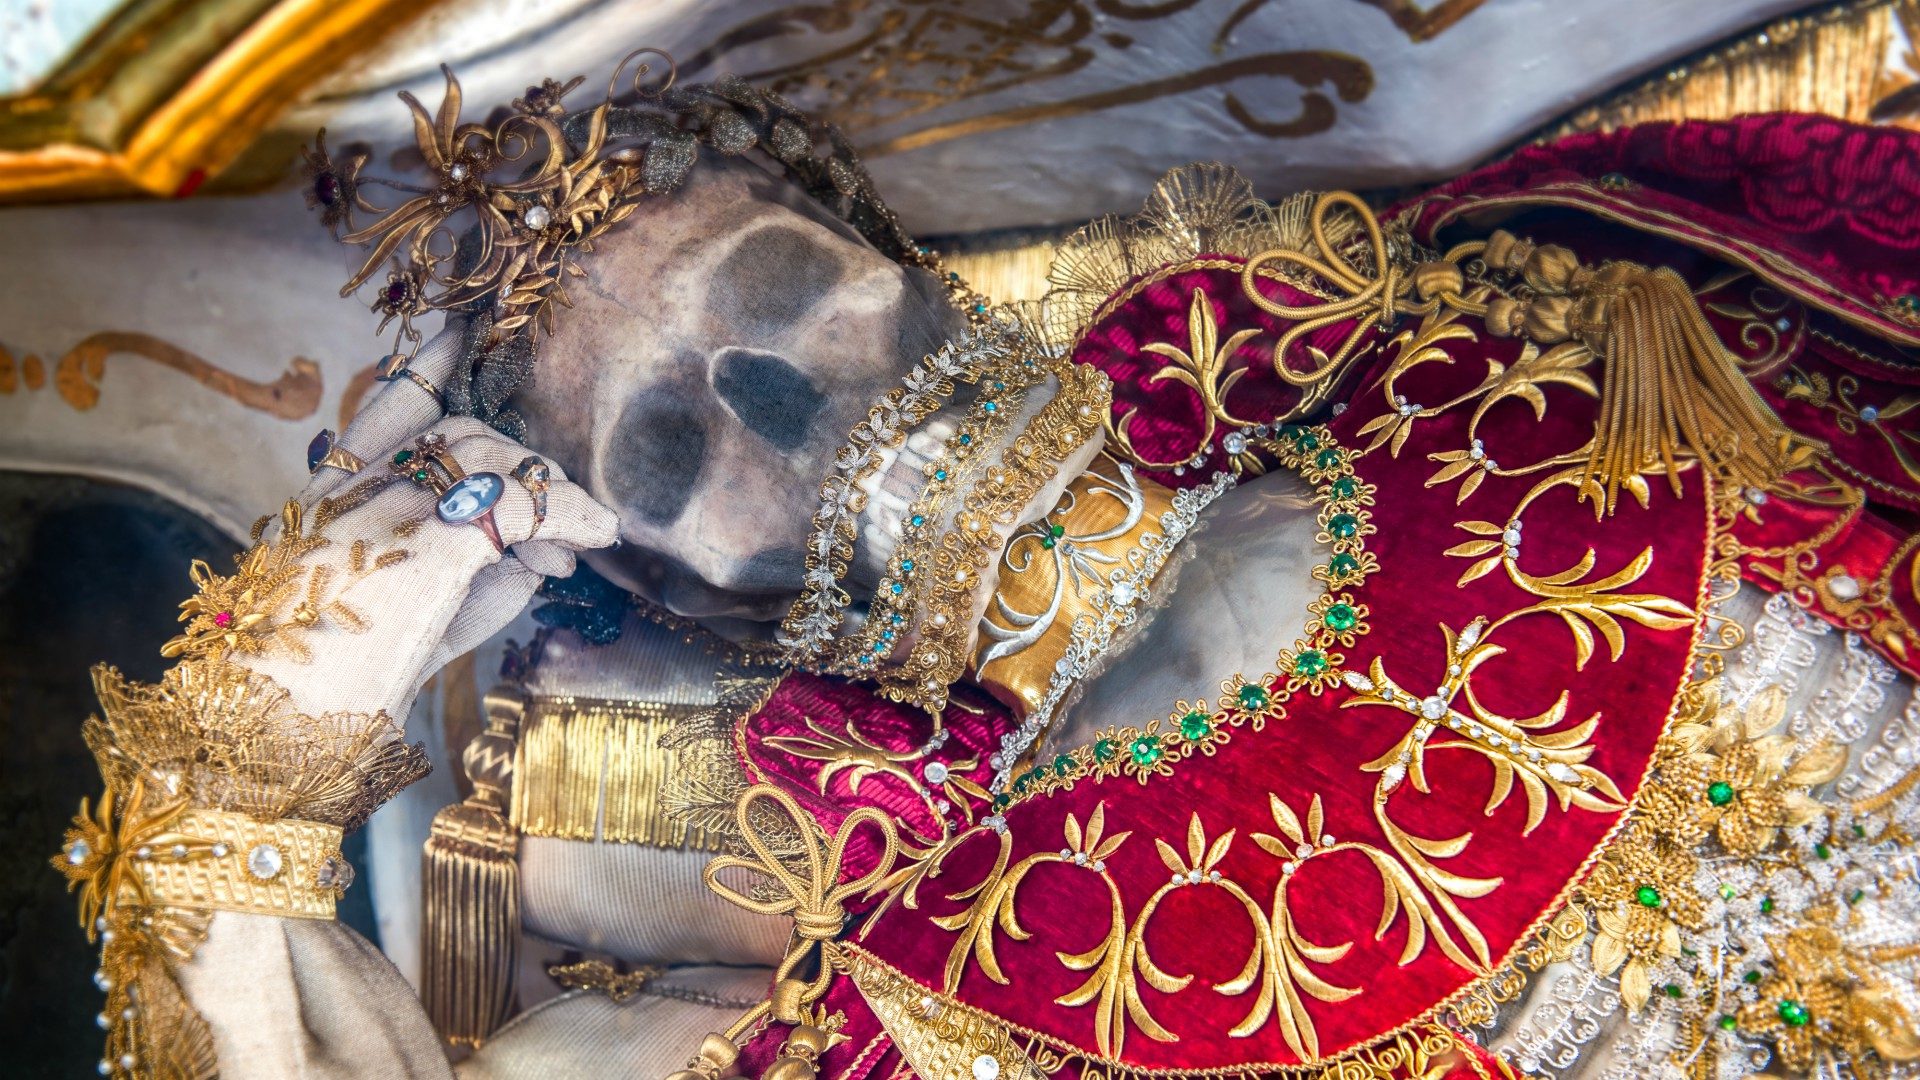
pixel 1832 61
pixel 471 922
pixel 587 769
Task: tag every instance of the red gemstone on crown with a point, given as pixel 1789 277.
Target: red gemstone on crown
pixel 223 619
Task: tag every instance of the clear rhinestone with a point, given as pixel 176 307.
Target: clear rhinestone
pixel 1433 708
pixel 1357 681
pixel 1391 777
pixel 179 851
pixel 457 173
pixel 1122 593
pixel 78 852
pixel 335 873
pixel 986 1067
pixel 1235 443
pixel 143 852
pixel 537 217
pixel 264 862
pixel 100 980
pixel 1303 850
pixel 1844 586
pixel 1756 496
pixel 1869 413
pixel 104 1021
pixel 1784 323
pixel 1562 773
pixel 935 772
pixel 1512 537
pixel 220 851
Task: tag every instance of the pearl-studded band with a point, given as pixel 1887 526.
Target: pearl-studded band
pixel 215 860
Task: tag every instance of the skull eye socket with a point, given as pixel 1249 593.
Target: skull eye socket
pixel 774 399
pixel 659 449
pixel 773 279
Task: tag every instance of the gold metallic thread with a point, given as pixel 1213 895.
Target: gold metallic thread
pixel 587 769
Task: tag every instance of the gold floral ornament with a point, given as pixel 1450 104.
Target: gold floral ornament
pixel 1831 995
pixel 274 596
pixel 507 208
pixel 333 187
pixel 218 796
pixel 1722 778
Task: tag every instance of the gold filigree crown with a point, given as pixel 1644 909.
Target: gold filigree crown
pixel 496 230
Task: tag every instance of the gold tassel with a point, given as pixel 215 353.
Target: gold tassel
pixel 471 924
pixel 1670 382
pixel 1670 385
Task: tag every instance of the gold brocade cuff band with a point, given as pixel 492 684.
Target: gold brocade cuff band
pixel 1054 569
pixel 223 861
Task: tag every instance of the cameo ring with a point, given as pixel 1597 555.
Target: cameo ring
pixel 535 475
pixel 394 368
pixel 325 451
pixel 470 500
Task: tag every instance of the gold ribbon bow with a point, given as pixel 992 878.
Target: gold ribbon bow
pixel 814 900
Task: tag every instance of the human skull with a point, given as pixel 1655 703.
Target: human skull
pixel 727 339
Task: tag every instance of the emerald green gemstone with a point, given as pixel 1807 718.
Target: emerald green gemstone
pixel 1341 617
pixel 1343 564
pixel 1673 990
pixel 1145 750
pixel 1328 458
pixel 1720 793
pixel 1057 531
pixel 1647 895
pixel 1307 442
pixel 1047 542
pixel 1345 487
pixel 1793 1013
pixel 1310 663
pixel 1195 726
pixel 1856 896
pixel 420 476
pixel 403 457
pixel 1103 750
pixel 1908 302
pixel 1823 851
pixel 1291 431
pixel 1750 978
pixel 1766 905
pixel 1020 782
pixel 1002 801
pixel 1253 696
pixel 1728 892
pixel 1860 831
pixel 1728 1023
pixel 1344 526
pixel 1062 765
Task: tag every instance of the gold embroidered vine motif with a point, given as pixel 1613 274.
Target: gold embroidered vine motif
pixel 274 597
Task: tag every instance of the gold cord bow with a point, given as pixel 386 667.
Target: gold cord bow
pixel 814 900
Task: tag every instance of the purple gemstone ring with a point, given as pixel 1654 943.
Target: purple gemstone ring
pixel 325 451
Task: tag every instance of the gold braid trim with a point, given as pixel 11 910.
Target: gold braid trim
pixel 220 795
pixel 940 655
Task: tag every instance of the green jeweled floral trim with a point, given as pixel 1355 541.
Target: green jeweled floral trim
pixel 1336 621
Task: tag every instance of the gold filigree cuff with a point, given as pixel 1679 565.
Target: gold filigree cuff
pixel 1053 570
pixel 223 861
